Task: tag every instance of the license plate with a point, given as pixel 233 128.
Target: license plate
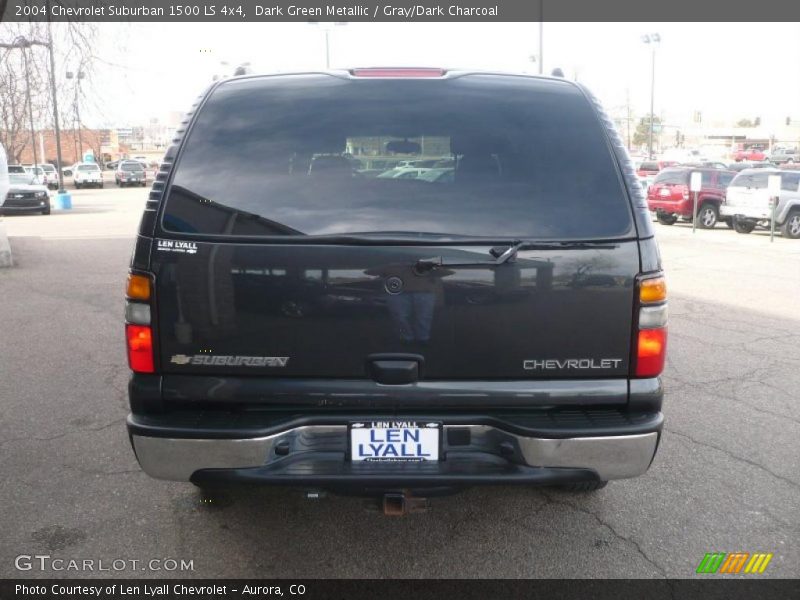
pixel 395 441
pixel 664 192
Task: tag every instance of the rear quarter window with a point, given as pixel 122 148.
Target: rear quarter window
pixel 750 180
pixel 313 155
pixel 672 177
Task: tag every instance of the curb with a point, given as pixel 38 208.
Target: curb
pixel 6 260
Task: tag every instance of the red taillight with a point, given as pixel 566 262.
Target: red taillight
pixel 398 72
pixel 651 351
pixel 140 348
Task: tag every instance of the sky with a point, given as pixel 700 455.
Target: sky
pixel 728 71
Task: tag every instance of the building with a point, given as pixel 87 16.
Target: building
pixel 74 144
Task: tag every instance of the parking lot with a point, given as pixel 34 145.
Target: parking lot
pixel 726 478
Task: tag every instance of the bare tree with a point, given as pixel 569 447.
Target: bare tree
pixel 13 108
pixel 73 44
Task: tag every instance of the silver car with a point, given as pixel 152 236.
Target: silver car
pixel 748 201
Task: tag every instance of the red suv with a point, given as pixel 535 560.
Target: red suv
pixel 669 196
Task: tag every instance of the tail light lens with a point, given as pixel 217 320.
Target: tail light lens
pixel 685 192
pixel 138 287
pixel 651 335
pixel 652 291
pixel 651 352
pixel 140 348
pixel 138 329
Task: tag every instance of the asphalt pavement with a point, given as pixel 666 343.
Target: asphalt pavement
pixel 726 477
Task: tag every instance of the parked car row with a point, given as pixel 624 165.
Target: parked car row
pixel 89 174
pixel 739 199
pixel 30 184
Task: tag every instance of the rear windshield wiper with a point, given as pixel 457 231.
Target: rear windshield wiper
pixel 506 254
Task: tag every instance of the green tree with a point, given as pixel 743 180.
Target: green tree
pixel 744 123
pixel 642 133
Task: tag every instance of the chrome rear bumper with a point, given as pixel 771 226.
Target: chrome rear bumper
pixel 607 457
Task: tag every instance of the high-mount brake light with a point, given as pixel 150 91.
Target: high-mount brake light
pixel 398 72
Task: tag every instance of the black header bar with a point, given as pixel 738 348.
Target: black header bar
pixel 403 589
pixel 399 10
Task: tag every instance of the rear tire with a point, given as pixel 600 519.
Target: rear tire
pixel 791 226
pixel 666 219
pixel 743 226
pixel 707 216
pixel 77 186
pixel 585 486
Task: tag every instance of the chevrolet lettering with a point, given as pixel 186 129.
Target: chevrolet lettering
pixel 572 363
pixel 406 292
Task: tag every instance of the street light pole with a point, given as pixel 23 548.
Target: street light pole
pixel 652 39
pixel 327 29
pixel 25 46
pixel 541 37
pixel 652 102
pixel 78 76
pixel 61 189
pixel 327 49
pixel 78 114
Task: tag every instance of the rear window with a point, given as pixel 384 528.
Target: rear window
pixel 131 166
pixel 16 169
pixel 673 177
pixel 649 166
pixel 750 180
pixel 475 156
pixel 88 168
